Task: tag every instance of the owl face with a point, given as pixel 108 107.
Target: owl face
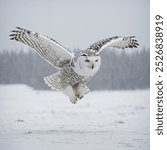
pixel 87 65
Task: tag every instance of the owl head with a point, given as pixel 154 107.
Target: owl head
pixel 87 65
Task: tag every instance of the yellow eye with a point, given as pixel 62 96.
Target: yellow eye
pixel 87 60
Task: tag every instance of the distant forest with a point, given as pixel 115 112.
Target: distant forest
pixel 118 70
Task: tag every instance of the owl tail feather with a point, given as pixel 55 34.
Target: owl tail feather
pixel 54 81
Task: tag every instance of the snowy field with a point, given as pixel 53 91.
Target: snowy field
pixel 46 120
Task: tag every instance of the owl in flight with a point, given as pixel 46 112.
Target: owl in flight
pixel 75 69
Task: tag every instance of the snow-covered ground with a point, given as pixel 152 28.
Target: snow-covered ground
pixel 46 120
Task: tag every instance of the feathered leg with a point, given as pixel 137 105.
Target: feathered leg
pixel 69 91
pixel 80 90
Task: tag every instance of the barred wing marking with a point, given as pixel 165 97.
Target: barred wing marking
pixel 116 42
pixel 50 50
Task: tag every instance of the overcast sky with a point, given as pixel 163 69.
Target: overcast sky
pixel 75 23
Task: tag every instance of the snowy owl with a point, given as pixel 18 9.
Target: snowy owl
pixel 75 69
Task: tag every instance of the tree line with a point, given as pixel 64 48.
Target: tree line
pixel 118 71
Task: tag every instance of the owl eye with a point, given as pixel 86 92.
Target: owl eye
pixel 84 54
pixel 87 60
pixel 96 60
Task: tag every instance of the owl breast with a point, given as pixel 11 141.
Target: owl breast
pixel 70 77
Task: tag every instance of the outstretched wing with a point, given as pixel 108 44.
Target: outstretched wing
pixel 115 42
pixel 50 50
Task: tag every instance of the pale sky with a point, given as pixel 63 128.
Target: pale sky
pixel 75 23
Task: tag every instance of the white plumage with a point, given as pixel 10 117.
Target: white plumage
pixel 76 69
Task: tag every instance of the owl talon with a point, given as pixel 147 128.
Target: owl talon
pixel 79 96
pixel 74 101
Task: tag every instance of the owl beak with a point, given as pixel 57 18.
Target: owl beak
pixel 92 66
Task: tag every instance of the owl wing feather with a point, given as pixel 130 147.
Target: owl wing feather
pixel 50 50
pixel 115 42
